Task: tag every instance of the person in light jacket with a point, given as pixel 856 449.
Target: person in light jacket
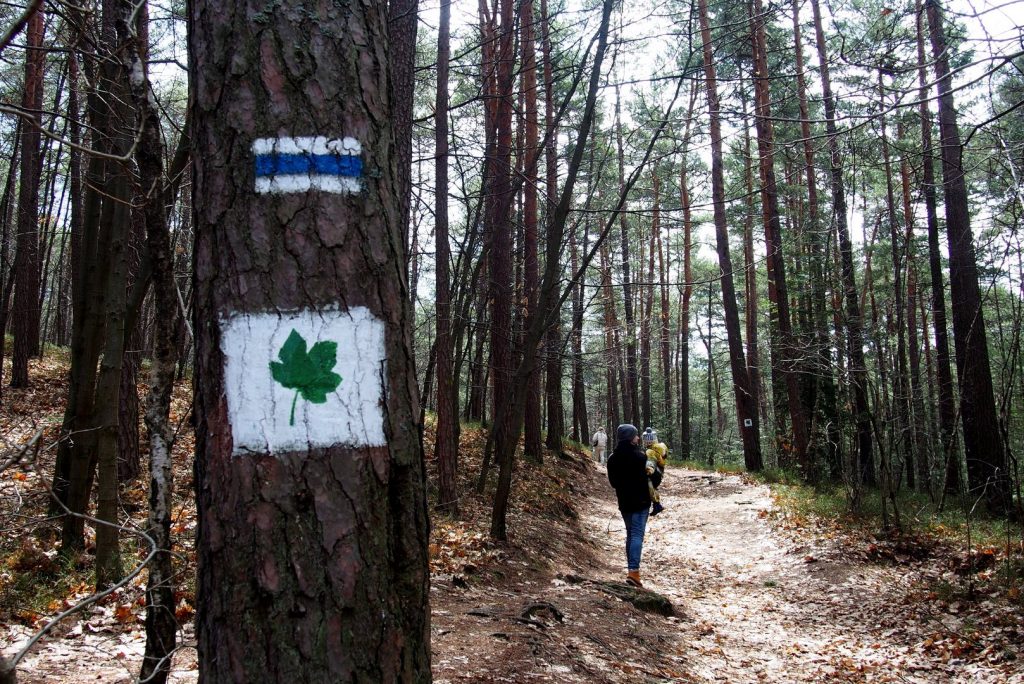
pixel 627 474
pixel 600 443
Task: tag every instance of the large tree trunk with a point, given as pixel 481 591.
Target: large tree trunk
pixel 746 405
pixel 312 540
pixel 26 309
pixel 499 225
pixel 986 458
pixel 7 272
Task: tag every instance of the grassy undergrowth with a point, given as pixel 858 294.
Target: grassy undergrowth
pixel 915 512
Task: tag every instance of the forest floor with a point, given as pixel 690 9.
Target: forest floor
pixel 762 591
pixel 758 596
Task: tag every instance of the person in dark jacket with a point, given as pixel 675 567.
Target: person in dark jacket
pixel 627 473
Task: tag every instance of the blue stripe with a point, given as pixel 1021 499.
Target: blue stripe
pixel 325 164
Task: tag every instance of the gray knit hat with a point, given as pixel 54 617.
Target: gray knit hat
pixel 625 432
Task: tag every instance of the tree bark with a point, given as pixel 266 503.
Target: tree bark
pixel 905 439
pixel 312 539
pixel 789 361
pixel 865 469
pixel 446 440
pixel 26 309
pixel 553 357
pixel 152 190
pixel 630 395
pixel 663 318
pixel 943 370
pixel 510 417
pixel 530 150
pixel 824 409
pixel 986 458
pixel 746 405
pixel 403 24
pixel 918 421
pixel 685 295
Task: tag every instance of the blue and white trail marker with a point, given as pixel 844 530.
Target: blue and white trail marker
pixel 285 165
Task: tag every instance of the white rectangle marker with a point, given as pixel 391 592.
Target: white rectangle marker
pixel 302 380
pixel 287 165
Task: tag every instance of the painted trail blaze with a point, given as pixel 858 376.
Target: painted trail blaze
pixel 285 165
pixel 309 374
pixel 306 379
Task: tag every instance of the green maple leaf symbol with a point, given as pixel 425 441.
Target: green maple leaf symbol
pixel 308 373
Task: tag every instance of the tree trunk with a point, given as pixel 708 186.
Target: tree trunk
pixel 509 422
pixel 666 351
pixel 750 273
pixel 855 337
pixel 746 405
pixel 446 441
pixel 7 272
pixel 905 439
pixel 403 22
pixel 646 310
pixel 918 421
pixel 769 196
pixel 949 453
pixel 530 150
pixel 686 293
pixel 611 347
pixel 152 190
pixel 26 310
pixel 825 410
pixel 986 458
pixel 312 540
pixel 630 395
pixel 553 357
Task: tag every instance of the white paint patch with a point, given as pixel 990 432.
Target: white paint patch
pixel 303 182
pixel 267 417
pixel 319 144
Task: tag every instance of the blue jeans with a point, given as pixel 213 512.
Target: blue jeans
pixel 636 525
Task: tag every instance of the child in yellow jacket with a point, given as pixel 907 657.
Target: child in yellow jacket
pixel 655 462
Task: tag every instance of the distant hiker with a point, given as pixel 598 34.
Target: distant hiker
pixel 627 473
pixel 600 443
pixel 649 437
pixel 655 464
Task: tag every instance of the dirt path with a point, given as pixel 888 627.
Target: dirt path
pixel 753 605
pixel 763 608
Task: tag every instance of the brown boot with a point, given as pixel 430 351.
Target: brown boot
pixel 633 578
